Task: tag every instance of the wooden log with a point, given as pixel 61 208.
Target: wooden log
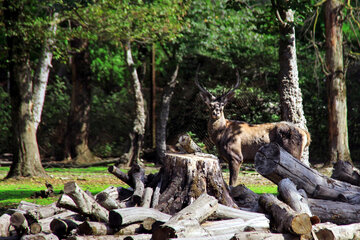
pixel 63 227
pixel 285 218
pixel 297 201
pixel 137 175
pixel 186 223
pixel 329 231
pixel 336 212
pixel 19 222
pixel 40 236
pixel 275 163
pixel 4 225
pixel 245 198
pixel 95 228
pixel 120 175
pixel 264 235
pixel 233 226
pixel 112 237
pixel 45 211
pixel 225 212
pixel 86 204
pixel 146 201
pixel 25 206
pixel 150 224
pixel 107 202
pixel 124 216
pixel 156 194
pixel 217 237
pixel 345 171
pixel 66 202
pixel 130 229
pixel 186 176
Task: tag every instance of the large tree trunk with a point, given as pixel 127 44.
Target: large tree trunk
pixel 290 92
pixel 164 115
pixel 76 138
pixel 336 87
pixel 137 134
pixel 26 161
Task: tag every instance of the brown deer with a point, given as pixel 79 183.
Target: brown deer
pixel 237 141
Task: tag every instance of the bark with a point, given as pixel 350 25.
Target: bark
pixel 290 93
pixel 329 231
pixel 345 171
pixel 85 203
pixel 245 198
pixel 286 220
pixel 4 225
pixel 225 212
pixel 114 237
pixel 41 78
pixel 95 228
pixel 40 236
pixel 62 227
pixel 124 216
pixel 137 175
pixel 120 175
pixel 76 137
pixel 275 163
pixel 335 81
pixel 186 176
pixel 267 236
pixel 186 223
pixel 146 201
pixel 164 116
pixel 138 131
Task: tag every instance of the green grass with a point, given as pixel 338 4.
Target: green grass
pixel 94 179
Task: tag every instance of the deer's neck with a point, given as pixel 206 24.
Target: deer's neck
pixel 216 129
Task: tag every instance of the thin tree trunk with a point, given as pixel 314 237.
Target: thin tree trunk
pixel 137 135
pixel 336 86
pixel 290 92
pixel 41 78
pixel 76 138
pixel 164 116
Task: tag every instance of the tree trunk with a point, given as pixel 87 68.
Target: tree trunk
pixel 345 171
pixel 164 115
pixel 137 135
pixel 290 92
pixel 76 138
pixel 336 86
pixel 26 160
pixel 42 75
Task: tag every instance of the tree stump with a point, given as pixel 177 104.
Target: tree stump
pixel 186 176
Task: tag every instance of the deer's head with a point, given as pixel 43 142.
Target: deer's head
pixel 216 104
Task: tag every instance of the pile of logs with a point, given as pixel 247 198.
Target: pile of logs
pixel 189 199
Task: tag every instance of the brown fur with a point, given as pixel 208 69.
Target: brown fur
pixel 238 141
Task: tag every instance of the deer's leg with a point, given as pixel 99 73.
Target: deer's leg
pixel 234 167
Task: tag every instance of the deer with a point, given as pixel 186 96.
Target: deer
pixel 237 141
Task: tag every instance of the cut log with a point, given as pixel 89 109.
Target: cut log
pixel 86 204
pixel 4 225
pixel 107 202
pixel 146 201
pixel 236 225
pixel 286 220
pixel 124 216
pixel 63 227
pixel 245 198
pixel 345 171
pixel 329 231
pixel 112 237
pixel 186 223
pixel 45 211
pixel 264 235
pixel 66 202
pixel 131 229
pixel 25 206
pixel 137 175
pixel 40 236
pixel 275 163
pixel 225 212
pixel 120 175
pixel 297 201
pixel 156 194
pixel 19 222
pixel 95 228
pixel 186 176
pixel 335 212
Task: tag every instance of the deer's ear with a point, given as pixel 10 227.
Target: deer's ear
pixel 228 98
